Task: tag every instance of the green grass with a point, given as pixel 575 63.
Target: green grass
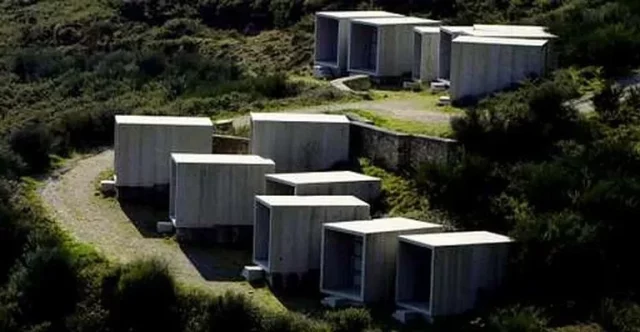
pixel 426 99
pixel 403 126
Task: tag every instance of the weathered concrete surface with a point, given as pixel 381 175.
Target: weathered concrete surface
pixel 209 190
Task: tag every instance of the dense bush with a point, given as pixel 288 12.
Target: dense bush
pixel 141 296
pixel 349 320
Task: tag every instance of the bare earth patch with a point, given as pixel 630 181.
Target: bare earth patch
pixel 125 236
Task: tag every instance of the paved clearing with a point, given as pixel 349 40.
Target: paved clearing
pixel 124 236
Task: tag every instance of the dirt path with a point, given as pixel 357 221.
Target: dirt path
pixel 72 200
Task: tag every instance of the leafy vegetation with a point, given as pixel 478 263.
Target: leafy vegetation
pixel 562 183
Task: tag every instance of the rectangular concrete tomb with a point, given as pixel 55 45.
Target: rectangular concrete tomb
pixel 143 145
pixel 332 31
pixel 209 190
pixel 300 142
pixel 383 47
pixel 480 65
pixel 445 274
pixel 426 53
pixel 366 188
pixel 288 229
pixel 359 257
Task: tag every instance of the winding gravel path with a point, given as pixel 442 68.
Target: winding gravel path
pixel 72 199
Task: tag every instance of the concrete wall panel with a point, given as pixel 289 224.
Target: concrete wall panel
pixel 300 146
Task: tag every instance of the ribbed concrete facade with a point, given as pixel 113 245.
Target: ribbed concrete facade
pixel 426 52
pixel 332 31
pixel 300 142
pixel 383 47
pixel 288 229
pixel 215 190
pixel 444 274
pixel 480 66
pixel 143 145
pixel 366 188
pixel 359 257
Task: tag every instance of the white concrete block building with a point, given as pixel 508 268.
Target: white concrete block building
pixel 447 273
pixel 480 65
pixel 359 257
pixel 383 47
pixel 447 35
pixel 345 183
pixel 288 230
pixel 211 190
pixel 426 53
pixel 143 145
pixel 300 142
pixel 332 31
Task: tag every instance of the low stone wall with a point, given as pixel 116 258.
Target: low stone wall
pixel 223 144
pixel 397 151
pixel 392 150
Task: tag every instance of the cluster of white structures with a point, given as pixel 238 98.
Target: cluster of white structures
pixel 307 222
pixel 473 60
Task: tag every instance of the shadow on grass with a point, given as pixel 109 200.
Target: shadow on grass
pixel 217 263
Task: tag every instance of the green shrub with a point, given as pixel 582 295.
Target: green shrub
pixel 233 309
pixel 141 296
pixel 32 142
pixel 517 319
pixel 349 320
pixel 45 287
pixel 619 316
pixel 292 322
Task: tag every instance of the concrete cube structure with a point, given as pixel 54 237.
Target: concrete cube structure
pixel 480 66
pixel 332 31
pixel 383 47
pixel 300 142
pixel 288 231
pixel 426 53
pixel 366 188
pixel 447 35
pixel 210 190
pixel 143 145
pixel 359 257
pixel 445 274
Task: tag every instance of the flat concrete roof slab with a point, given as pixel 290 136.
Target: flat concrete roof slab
pixel 513 33
pixel 456 28
pixel 357 14
pixel 228 159
pixel 508 27
pixel 299 117
pixel 500 41
pixel 423 30
pixel 455 239
pixel 320 177
pixel 163 120
pixel 383 225
pixel 311 201
pixel 396 21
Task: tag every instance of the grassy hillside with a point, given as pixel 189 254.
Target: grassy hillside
pixel 563 184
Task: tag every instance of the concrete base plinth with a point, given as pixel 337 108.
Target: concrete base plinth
pixel 156 195
pixel 220 235
pixel 108 187
pixel 295 283
pixel 336 302
pixel 407 316
pixel 253 273
pixel 164 227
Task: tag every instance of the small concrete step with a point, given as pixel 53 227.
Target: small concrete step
pixel 444 101
pixel 164 227
pixel 253 273
pixel 336 302
pixel 407 316
pixel 108 187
